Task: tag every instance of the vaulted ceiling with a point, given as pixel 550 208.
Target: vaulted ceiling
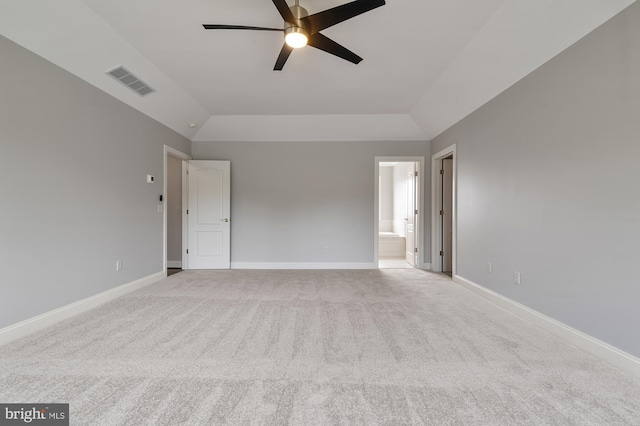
pixel 427 63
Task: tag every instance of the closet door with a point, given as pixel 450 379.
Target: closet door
pixel 209 211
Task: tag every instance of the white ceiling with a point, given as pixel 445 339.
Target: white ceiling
pixel 427 63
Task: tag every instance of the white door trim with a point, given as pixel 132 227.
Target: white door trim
pixel 184 157
pixel 419 202
pixel 436 197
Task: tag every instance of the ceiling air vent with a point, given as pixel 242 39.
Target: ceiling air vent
pixel 125 77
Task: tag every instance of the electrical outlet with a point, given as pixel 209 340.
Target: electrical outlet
pixel 489 268
pixel 118 265
pixel 516 277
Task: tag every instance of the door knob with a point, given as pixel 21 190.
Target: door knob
pixel 224 220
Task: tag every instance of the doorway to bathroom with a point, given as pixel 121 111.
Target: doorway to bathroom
pixel 398 232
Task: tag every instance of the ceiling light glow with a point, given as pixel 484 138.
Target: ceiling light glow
pixel 296 37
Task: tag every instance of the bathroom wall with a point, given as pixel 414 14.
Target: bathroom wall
pixel 386 206
pixel 400 172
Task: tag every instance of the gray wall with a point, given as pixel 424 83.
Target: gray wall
pixel 290 199
pixel 548 185
pixel 73 166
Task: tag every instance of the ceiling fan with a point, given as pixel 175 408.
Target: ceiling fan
pixel 301 29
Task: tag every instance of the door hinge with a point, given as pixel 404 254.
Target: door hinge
pixel 416 174
pixel 187 251
pixel 441 171
pixel 187 211
pixel 441 252
pixel 441 212
pixel 416 211
pixel 415 250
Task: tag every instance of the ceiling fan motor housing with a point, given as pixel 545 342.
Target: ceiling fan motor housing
pixel 298 12
pixel 296 27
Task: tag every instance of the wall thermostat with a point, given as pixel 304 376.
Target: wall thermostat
pixel 151 178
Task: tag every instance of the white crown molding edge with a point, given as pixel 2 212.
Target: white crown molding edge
pixel 295 128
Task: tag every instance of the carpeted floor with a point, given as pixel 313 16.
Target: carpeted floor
pixel 387 347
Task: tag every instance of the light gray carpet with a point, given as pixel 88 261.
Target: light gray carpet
pixel 388 347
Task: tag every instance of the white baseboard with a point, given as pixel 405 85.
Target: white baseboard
pixel 300 265
pixel 174 263
pixel 603 350
pixel 311 265
pixel 47 319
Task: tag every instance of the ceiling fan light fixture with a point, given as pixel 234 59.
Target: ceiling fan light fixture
pixel 295 37
pixel 301 29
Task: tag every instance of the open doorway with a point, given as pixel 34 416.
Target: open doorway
pixel 446 215
pixel 175 199
pixel 398 234
pixel 444 212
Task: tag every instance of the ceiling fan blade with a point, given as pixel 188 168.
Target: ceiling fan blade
pixel 282 58
pixel 237 27
pixel 323 42
pixel 284 10
pixel 319 21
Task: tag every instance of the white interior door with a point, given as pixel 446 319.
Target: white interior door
pixel 410 229
pixel 209 211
